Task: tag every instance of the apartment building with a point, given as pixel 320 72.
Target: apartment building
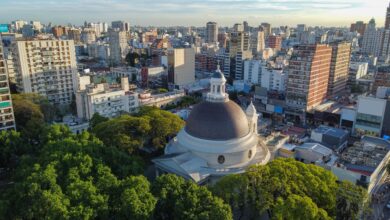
pixel 46 67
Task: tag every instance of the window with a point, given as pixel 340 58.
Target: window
pixel 221 159
pixel 250 154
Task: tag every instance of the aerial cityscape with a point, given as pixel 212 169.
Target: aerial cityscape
pixel 195 110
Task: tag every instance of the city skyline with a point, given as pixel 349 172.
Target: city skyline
pixel 197 13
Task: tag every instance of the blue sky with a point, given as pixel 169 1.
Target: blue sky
pixel 196 12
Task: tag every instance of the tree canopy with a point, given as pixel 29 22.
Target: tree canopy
pixel 180 199
pixel 76 177
pixel 288 189
pixel 151 126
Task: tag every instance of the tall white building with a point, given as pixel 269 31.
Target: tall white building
pixel 119 46
pixel 257 42
pixel 240 58
pixel 211 32
pixel 46 67
pixel 99 50
pixel 372 39
pixel 257 72
pixel 181 66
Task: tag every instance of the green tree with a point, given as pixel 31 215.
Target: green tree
pixel 136 200
pixel 97 119
pixel 296 207
pixel 180 199
pixel 350 201
pixel 11 146
pixel 266 188
pixel 163 125
pixel 76 177
pixel 125 132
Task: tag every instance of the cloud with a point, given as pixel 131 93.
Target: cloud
pixel 158 11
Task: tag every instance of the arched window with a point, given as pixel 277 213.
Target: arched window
pixel 218 89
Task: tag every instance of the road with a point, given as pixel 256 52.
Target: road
pixel 379 200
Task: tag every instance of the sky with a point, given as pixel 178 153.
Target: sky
pixel 196 12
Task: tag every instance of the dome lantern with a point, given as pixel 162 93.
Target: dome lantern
pixel 217 87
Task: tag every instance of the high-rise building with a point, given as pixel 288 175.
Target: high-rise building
pixel 36 25
pixel 6 111
pixel 246 26
pixel 88 36
pixel 275 42
pixel 239 41
pixel 372 39
pixel 121 25
pixel 222 39
pixel 46 67
pixel 307 78
pixel 385 49
pixel 75 35
pixel 238 27
pixel 385 52
pixel 387 22
pixel 28 31
pixel 211 32
pixel 359 27
pixel 339 68
pixel 18 24
pixel 257 42
pixel 239 63
pixel 181 66
pixel 119 46
pixel 267 29
pixel 59 31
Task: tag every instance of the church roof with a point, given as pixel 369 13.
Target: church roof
pixel 217 121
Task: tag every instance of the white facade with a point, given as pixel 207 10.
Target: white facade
pixel 181 66
pixel 256 72
pixel 46 67
pixel 257 42
pixel 200 159
pixel 372 39
pixel 99 50
pixel 104 100
pixel 358 69
pixel 119 46
pixel 369 119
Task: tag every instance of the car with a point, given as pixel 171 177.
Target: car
pixel 388 205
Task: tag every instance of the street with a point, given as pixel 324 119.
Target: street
pixel 380 199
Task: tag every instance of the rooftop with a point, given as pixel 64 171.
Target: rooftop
pixel 335 132
pixel 365 156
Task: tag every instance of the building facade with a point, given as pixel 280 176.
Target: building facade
pixel 339 68
pixel 119 46
pixel 308 77
pixel 108 102
pixel 121 25
pixel 7 120
pixel 46 67
pixel 369 120
pixel 372 39
pixel 181 66
pixel 211 32
pixel 219 139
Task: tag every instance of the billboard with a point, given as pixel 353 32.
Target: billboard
pixel 3 28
